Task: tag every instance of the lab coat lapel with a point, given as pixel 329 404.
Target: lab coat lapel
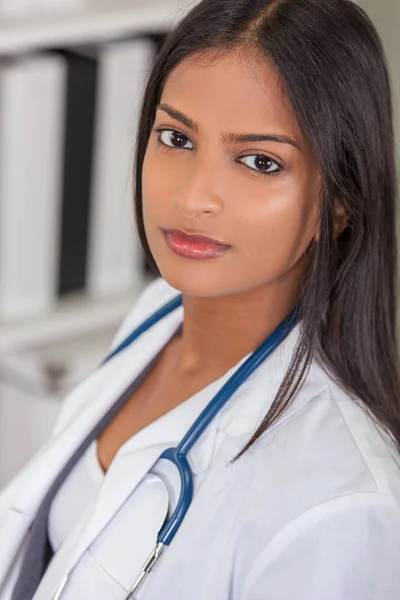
pixel 21 499
pixel 121 480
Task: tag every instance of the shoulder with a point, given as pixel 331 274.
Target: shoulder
pixel 354 435
pixel 325 446
pixel 153 296
pixel 324 442
pixel 347 440
pixel 322 482
pixel 346 547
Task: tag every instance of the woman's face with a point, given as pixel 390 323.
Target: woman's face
pixel 260 197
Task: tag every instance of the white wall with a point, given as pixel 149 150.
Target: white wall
pixel 385 14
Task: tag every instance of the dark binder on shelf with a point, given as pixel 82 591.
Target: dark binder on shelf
pixel 78 151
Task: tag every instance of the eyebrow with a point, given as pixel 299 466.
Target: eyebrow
pixel 228 138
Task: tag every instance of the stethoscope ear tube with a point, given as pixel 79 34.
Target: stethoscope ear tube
pixel 147 324
pixel 252 363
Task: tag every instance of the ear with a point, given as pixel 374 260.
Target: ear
pixel 341 218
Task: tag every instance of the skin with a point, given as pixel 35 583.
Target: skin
pixel 202 185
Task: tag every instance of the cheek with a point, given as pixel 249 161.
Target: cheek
pixel 157 188
pixel 275 230
pixel 153 190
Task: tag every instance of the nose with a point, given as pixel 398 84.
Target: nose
pixel 193 212
pixel 198 199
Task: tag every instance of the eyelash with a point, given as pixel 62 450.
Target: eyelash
pixel 158 130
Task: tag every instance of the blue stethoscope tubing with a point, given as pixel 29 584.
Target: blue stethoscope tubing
pixel 178 455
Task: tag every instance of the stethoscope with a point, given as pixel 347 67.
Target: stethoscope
pixel 178 455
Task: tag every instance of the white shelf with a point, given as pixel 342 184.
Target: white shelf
pixel 75 317
pixel 95 21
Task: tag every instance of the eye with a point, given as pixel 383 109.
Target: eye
pixel 176 139
pixel 172 138
pixel 262 164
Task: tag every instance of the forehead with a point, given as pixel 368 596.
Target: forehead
pixel 231 91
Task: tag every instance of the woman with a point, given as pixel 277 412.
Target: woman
pixel 266 125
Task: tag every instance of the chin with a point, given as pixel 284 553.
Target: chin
pixel 191 281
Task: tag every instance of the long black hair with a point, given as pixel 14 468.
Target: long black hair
pixel 333 69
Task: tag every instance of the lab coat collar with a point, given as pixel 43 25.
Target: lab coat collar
pixel 242 414
pixel 172 426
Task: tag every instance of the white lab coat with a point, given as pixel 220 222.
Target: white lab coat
pixel 311 512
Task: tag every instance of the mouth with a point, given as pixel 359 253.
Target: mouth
pixel 193 245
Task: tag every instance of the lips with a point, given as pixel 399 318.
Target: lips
pixel 194 238
pixel 193 246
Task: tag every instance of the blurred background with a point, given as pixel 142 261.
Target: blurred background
pixel 72 74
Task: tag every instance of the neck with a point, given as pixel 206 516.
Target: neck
pixel 218 332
